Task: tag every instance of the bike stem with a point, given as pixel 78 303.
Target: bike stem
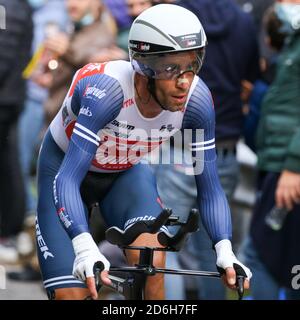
pixel 146 261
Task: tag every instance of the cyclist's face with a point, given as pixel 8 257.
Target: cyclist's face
pixel 173 93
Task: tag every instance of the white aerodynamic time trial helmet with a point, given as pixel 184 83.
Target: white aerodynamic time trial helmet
pixel 162 30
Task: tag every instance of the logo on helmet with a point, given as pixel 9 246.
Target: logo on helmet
pixel 132 45
pixel 144 47
pixel 189 40
pixel 191 43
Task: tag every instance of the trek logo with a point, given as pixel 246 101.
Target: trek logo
pixel 41 243
pixel 128 103
pixel 85 111
pixel 95 92
pixel 167 127
pixel 64 217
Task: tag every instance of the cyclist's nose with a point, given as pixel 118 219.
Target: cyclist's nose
pixel 183 81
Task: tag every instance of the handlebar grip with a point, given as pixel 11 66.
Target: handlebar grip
pixel 240 278
pixel 97 269
pixel 240 286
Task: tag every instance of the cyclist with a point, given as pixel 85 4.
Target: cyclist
pixel 113 114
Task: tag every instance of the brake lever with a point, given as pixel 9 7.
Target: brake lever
pixel 240 286
pixel 98 268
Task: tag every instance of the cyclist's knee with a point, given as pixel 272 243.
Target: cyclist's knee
pixel 159 259
pixel 146 240
pixel 68 294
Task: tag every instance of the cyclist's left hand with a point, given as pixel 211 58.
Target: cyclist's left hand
pixel 229 265
pixel 91 284
pixel 87 255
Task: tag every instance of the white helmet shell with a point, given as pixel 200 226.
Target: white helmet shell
pixel 165 28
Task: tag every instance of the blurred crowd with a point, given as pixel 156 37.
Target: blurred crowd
pixel 252 67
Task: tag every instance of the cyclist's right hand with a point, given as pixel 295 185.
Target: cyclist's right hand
pixel 86 255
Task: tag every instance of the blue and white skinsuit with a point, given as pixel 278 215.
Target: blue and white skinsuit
pixel 99 133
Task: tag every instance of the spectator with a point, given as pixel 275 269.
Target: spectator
pixel 16 39
pixel 272 254
pixel 118 9
pixel 256 8
pixel 93 40
pixel 274 39
pixel 133 9
pixel 48 16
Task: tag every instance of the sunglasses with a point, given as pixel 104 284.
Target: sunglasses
pixel 170 66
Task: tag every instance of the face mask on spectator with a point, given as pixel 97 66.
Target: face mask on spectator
pixel 36 4
pixel 289 15
pixel 86 20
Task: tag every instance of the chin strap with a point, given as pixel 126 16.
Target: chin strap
pixel 151 89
